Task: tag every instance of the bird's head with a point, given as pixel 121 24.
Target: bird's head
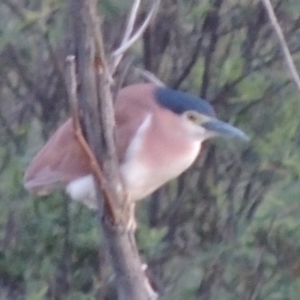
pixel 198 115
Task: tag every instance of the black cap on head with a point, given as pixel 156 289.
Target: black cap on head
pixel 179 102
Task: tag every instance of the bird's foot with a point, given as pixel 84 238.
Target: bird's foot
pixel 125 221
pixel 129 216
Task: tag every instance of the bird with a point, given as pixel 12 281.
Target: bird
pixel 159 134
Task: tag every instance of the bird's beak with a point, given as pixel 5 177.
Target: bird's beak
pixel 219 128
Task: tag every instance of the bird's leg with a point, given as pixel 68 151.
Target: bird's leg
pixel 128 214
pixel 131 222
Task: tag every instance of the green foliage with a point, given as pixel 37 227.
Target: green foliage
pixel 150 239
pixel 232 69
pixel 252 87
pixel 231 234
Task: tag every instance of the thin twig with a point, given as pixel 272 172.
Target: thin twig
pixel 149 76
pixel 139 32
pixel 127 43
pixel 283 43
pixel 104 82
pixel 128 31
pixel 131 20
pixel 72 91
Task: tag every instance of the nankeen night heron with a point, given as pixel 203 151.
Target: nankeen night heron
pixel 159 133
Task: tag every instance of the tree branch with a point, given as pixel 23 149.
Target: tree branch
pixel 149 76
pixel 97 115
pixel 97 172
pixel 128 39
pixel 283 43
pixel 211 22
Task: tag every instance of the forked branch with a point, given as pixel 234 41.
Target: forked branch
pixel 129 39
pixel 131 20
pixel 96 109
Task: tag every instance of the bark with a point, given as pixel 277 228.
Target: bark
pixel 97 117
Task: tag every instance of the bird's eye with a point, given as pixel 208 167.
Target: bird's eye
pixel 196 117
pixel 192 117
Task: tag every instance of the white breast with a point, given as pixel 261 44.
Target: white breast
pixel 133 171
pixel 183 162
pixel 141 179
